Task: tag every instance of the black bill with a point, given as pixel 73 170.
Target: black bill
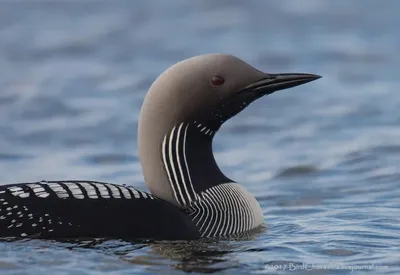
pixel 275 82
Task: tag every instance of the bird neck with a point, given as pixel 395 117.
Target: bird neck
pixel 177 158
pixel 189 162
pixel 179 167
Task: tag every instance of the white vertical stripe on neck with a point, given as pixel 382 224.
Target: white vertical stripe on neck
pixel 179 163
pixel 178 171
pixel 164 149
pixel 171 161
pixel 186 163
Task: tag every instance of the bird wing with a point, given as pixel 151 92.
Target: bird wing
pixel 72 209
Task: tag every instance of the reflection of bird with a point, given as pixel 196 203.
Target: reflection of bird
pixel 203 256
pixel 190 197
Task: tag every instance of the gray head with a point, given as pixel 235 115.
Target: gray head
pixel 181 113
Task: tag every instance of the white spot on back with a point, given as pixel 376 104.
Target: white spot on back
pixel 102 190
pixel 125 192
pixel 75 190
pixel 114 191
pixel 144 195
pixel 135 192
pixel 14 188
pixel 17 193
pixel 91 191
pixel 58 189
pixel 38 189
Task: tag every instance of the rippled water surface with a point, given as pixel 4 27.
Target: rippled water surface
pixel 322 158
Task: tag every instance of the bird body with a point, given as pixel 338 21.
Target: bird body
pixel 72 209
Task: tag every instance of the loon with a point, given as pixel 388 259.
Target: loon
pixel 190 197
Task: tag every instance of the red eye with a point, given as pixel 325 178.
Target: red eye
pixel 217 80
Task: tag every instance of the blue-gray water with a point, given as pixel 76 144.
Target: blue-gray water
pixel 322 158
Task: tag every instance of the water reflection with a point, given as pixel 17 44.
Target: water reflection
pixel 200 256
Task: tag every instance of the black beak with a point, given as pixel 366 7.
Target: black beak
pixel 275 82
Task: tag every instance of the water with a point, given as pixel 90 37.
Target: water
pixel 322 158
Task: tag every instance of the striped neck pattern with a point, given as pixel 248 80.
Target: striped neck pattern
pixel 216 205
pixel 187 157
pixel 225 210
pixel 204 129
pixel 176 165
